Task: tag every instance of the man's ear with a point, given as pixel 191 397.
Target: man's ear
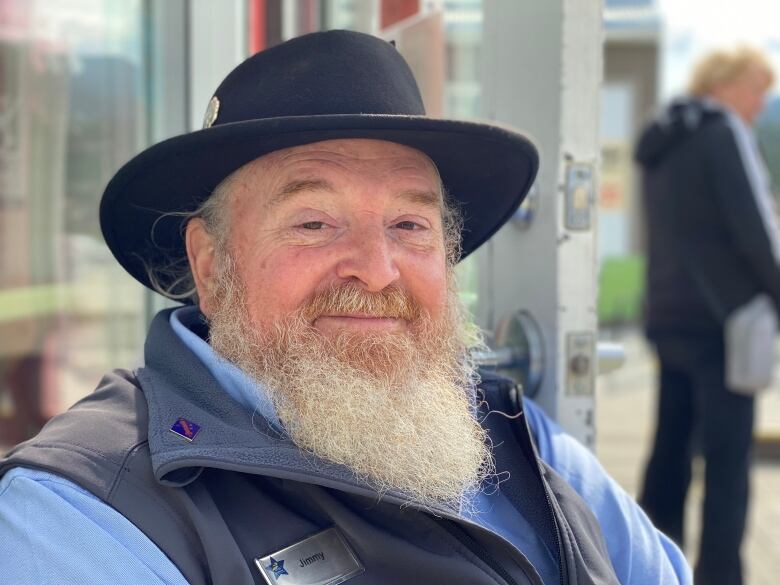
pixel 202 258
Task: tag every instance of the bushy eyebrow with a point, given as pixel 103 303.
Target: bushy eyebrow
pixel 299 186
pixel 422 197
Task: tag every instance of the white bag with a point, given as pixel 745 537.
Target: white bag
pixel 750 346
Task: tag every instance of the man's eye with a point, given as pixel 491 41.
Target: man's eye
pixel 407 225
pixel 313 225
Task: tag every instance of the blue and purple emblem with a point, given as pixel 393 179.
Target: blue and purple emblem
pixel 185 429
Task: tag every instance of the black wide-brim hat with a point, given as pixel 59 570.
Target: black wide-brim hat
pixel 321 86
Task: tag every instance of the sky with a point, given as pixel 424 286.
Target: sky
pixel 692 27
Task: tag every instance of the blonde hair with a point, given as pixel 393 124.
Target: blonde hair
pixel 724 66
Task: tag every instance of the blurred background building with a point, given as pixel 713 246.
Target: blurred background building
pixel 86 84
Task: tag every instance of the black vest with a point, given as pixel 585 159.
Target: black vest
pixel 239 491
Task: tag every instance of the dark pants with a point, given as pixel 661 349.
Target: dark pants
pixel 697 412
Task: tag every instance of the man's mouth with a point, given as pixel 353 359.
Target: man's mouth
pixel 360 323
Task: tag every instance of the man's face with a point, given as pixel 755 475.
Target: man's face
pixel 314 217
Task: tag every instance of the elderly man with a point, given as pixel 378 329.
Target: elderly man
pixel 315 416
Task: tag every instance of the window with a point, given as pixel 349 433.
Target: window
pixel 72 110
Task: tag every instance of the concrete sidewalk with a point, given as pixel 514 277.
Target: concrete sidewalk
pixel 626 421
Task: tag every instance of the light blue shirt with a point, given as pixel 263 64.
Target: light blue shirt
pixel 52 531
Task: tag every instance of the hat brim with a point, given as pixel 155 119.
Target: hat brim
pixel 486 169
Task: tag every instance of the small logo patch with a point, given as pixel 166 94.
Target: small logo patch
pixel 277 568
pixel 185 429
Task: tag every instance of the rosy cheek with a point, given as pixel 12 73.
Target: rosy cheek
pixel 428 282
pixel 289 278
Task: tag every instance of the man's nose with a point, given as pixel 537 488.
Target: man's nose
pixel 369 259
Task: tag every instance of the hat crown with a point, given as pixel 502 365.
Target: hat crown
pixel 322 73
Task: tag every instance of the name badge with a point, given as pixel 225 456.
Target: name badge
pixel 323 559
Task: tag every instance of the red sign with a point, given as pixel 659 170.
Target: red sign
pixel 394 11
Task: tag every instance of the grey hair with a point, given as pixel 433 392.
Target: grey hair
pixel 452 222
pixel 174 278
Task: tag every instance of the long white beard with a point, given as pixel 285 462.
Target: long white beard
pixel 394 408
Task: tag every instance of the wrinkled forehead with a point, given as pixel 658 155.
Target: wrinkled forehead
pixel 350 160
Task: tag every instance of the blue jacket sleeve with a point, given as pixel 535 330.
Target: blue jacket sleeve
pixel 54 532
pixel 640 554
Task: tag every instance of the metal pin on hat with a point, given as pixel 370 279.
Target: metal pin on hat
pixel 211 112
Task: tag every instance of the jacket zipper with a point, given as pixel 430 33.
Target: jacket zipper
pixel 561 562
pixel 515 401
pixel 464 538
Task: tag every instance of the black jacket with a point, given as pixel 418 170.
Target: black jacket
pixel 708 249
